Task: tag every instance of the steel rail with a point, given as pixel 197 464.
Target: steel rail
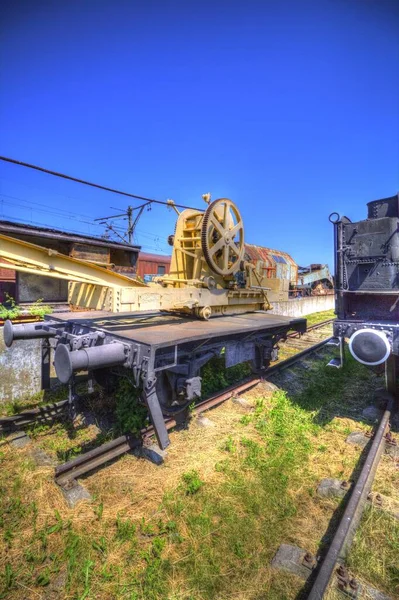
pixel 295 334
pixel 89 461
pixel 351 517
pixel 295 357
pixel 34 415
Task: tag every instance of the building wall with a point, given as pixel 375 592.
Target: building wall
pixel 7 283
pixel 300 307
pixel 153 264
pixel 20 368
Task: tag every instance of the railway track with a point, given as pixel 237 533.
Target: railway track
pixel 333 561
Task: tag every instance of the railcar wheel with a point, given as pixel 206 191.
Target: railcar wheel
pixel 222 237
pixel 172 403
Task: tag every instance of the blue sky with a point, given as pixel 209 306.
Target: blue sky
pixel 289 108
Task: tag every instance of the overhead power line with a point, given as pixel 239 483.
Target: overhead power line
pixel 90 183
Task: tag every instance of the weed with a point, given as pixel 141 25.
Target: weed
pixel 38 309
pixel 131 415
pixel 10 310
pixel 245 420
pixel 100 546
pixel 215 375
pixel 44 578
pixel 57 526
pixel 229 445
pixel 9 576
pixel 192 482
pixel 125 530
pixel 98 511
pixel 87 570
pixel 147 529
pixel 8 536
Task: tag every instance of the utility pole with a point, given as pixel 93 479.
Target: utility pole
pixel 129 213
pixel 132 222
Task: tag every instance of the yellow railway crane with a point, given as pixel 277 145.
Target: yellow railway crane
pixel 208 275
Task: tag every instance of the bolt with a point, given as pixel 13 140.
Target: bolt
pixel 354 584
pixel 309 560
pixel 341 571
pixel 390 439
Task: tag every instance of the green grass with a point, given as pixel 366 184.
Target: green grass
pixel 318 317
pixel 212 534
pixel 375 551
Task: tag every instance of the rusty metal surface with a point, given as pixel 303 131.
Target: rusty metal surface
pixel 160 329
pixel 273 268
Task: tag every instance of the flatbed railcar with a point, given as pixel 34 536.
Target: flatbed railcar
pixel 161 353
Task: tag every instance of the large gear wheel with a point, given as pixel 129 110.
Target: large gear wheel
pixel 222 237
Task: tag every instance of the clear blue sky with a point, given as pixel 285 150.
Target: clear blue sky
pixel 290 108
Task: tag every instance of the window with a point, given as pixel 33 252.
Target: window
pixel 161 270
pixel 279 259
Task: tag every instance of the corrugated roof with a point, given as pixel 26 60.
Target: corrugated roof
pixel 10 227
pixel 265 254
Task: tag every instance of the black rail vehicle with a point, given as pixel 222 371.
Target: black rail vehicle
pixel 367 284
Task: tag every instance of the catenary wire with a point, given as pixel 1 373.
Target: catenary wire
pixel 89 183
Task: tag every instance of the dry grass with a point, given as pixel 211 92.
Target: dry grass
pixel 146 536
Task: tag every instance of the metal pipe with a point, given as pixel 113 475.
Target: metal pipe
pixel 346 529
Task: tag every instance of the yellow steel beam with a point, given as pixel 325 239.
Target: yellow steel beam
pixel 36 271
pixel 45 261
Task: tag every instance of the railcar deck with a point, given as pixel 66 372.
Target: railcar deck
pixel 160 329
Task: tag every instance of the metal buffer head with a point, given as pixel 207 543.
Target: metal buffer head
pixel 369 346
pixel 66 363
pixel 27 331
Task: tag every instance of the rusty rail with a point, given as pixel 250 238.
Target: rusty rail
pixel 41 414
pixel 295 334
pixel 351 517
